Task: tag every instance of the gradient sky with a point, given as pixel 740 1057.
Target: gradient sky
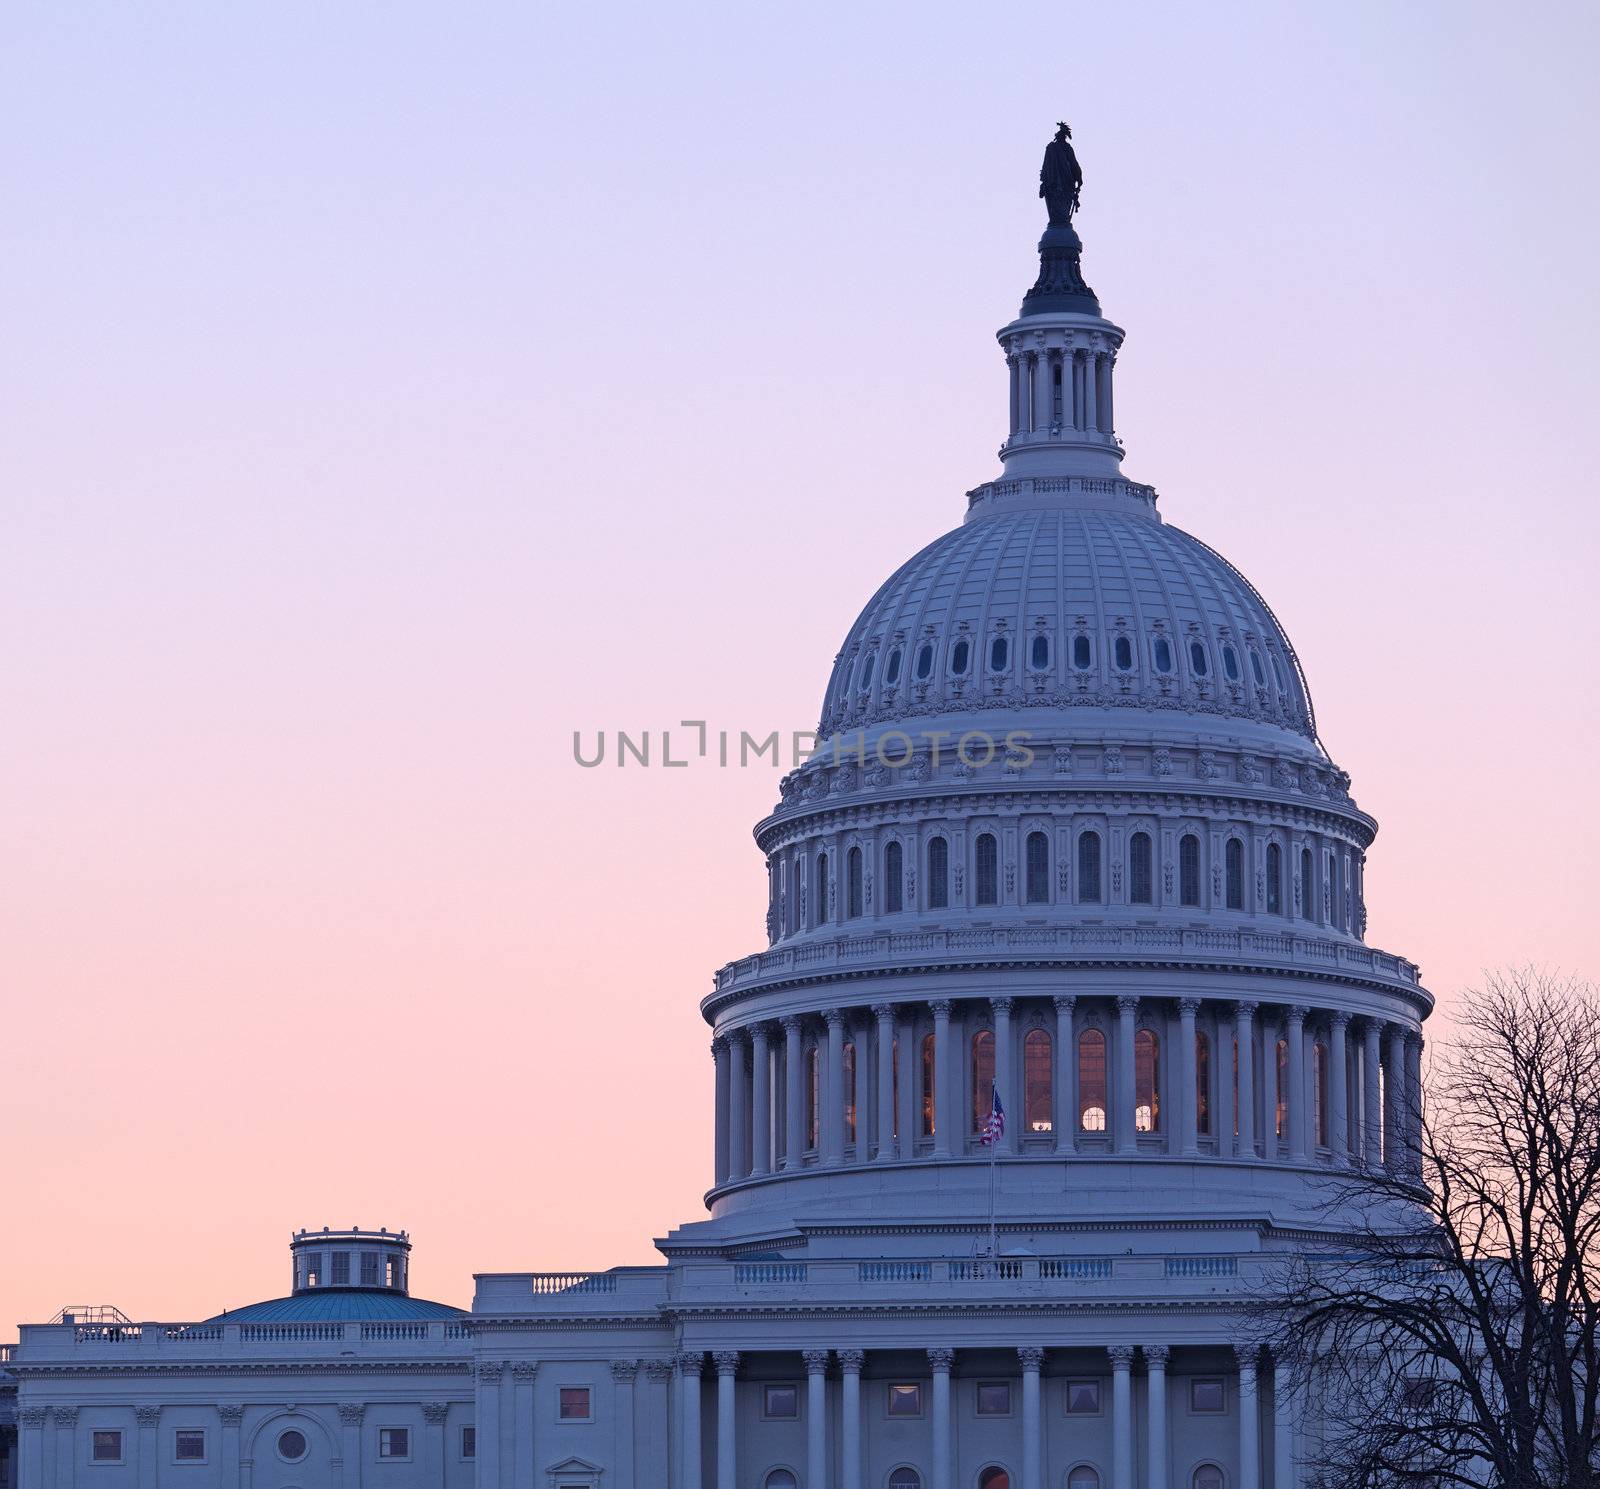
pixel 391 389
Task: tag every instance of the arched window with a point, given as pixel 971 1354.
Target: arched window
pixel 1208 1476
pixel 813 1095
pixel 780 1478
pixel 819 906
pixel 999 654
pixel 1277 673
pixel 893 879
pixel 1141 869
pixel 924 661
pixel 1202 1083
pixel 791 879
pixel 850 1091
pixel 1335 909
pixel 853 876
pixel 1233 859
pixel 986 881
pixel 1255 669
pixel 928 1092
pixel 891 671
pixel 1230 663
pixel 1319 1092
pixel 1161 654
pixel 1037 1082
pixel 960 655
pixel 1307 902
pixel 1092 1081
pixel 1039 653
pixel 982 1077
pixel 938 873
pixel 1082 653
pixel 865 683
pixel 1122 654
pixel 1274 879
pixel 1280 1120
pixel 1083 1477
pixel 1189 870
pixel 905 1478
pixel 994 1477
pixel 1038 875
pixel 1198 660
pixel 1146 1082
pixel 1088 868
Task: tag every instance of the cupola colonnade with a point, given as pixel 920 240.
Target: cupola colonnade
pixel 1187 1077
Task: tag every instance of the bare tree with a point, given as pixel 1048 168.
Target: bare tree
pixel 1454 1341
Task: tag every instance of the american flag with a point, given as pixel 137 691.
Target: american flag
pixel 996 1123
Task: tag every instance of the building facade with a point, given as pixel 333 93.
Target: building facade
pixel 1065 1021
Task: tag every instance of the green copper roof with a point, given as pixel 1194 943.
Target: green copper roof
pixel 338 1305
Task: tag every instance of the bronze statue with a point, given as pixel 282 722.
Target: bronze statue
pixel 1060 178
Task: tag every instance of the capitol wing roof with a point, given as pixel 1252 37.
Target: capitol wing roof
pixel 339 1305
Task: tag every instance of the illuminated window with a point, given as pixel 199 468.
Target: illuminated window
pixel 893 880
pixel 1274 879
pixel 1146 1082
pixel 1089 868
pixel 987 886
pixel 1038 1080
pixel 1280 1121
pixel 982 1077
pixel 905 1399
pixel 1189 870
pixel 574 1405
pixel 852 869
pixel 395 1442
pixel 850 1091
pixel 1233 862
pixel 927 1085
pixel 813 1094
pixel 938 873
pixel 1202 1083
pixel 1319 1094
pixel 1092 1081
pixel 1141 869
pixel 1037 887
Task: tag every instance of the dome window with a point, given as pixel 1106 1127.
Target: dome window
pixel 866 672
pixel 999 654
pixel 1089 868
pixel 1161 654
pixel 1277 672
pixel 1082 653
pixel 1198 659
pixel 960 655
pixel 1039 660
pixel 1255 669
pixel 924 661
pixel 891 672
pixel 1122 654
pixel 987 878
pixel 1230 663
pixel 1189 870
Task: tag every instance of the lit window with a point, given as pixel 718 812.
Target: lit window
pixel 813 1104
pixel 905 1400
pixel 853 892
pixel 1207 1395
pixel 891 672
pixel 938 873
pixel 574 1405
pixel 1082 653
pixel 393 1272
pixel 1039 658
pixel 999 654
pixel 1189 870
pixel 1202 1083
pixel 780 1403
pixel 313 1266
pixel 928 1091
pixel 469 1442
pixel 106 1447
pixel 1230 663
pixel 1122 654
pixel 1233 858
pixel 189 1445
pixel 1037 887
pixel 1161 654
pixel 1274 879
pixel 1038 1079
pixel 292 1445
pixel 1319 1094
pixel 394 1442
pixel 1146 1082
pixel 1141 866
pixel 924 661
pixel 1083 1398
pixel 1092 1081
pixel 1281 1107
pixel 893 880
pixel 987 887
pixel 1089 868
pixel 994 1398
pixel 1197 659
pixel 960 655
pixel 849 1061
pixel 982 1077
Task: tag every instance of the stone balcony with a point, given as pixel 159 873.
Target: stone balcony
pixel 166 1344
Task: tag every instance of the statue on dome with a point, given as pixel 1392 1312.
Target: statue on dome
pixel 1060 178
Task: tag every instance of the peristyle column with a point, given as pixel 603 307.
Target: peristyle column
pixel 1042 400
pixel 1244 1013
pixel 1155 1361
pixel 1339 1089
pixel 1371 1110
pixel 1127 1137
pixel 1188 1097
pixel 1414 1104
pixel 689 1368
pixel 719 1056
pixel 1031 1358
pixel 833 1094
pixel 738 1108
pixel 941 1079
pixel 884 1014
pixel 1121 1416
pixel 727 1366
pixel 850 1362
pixel 1003 1066
pixel 1296 1036
pixel 1065 1115
pixel 1394 1103
pixel 760 1101
pixel 939 1362
pixel 794 1138
pixel 816 1362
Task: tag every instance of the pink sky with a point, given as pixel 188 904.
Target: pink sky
pixel 393 389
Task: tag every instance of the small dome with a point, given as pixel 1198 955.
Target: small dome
pixel 1066 605
pixel 339 1305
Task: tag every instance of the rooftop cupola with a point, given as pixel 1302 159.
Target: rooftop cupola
pixel 1060 351
pixel 353 1258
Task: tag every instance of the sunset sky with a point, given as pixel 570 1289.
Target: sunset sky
pixel 391 390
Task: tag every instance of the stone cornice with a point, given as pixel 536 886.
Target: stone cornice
pixel 460 1365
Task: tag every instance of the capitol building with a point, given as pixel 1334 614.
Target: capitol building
pixel 1064 1025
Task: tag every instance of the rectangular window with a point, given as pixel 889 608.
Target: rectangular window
pixel 1207 1396
pixel 994 1398
pixel 1083 1398
pixel 106 1447
pixel 905 1400
pixel 314 1277
pixel 341 1268
pixel 574 1403
pixel 394 1442
pixel 189 1445
pixel 369 1269
pixel 780 1403
pixel 469 1442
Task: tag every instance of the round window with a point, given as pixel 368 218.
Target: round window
pixel 292 1445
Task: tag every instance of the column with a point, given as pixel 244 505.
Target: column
pixel 1015 379
pixel 1188 1096
pixel 760 1101
pixel 738 1107
pixel 1032 1444
pixel 1065 1115
pixel 1243 1014
pixel 1371 1112
pixel 1123 1086
pixel 1091 377
pixel 1338 1089
pixel 232 1416
pixel 30 1445
pixel 522 1426
pixel 816 1362
pixel 794 1140
pixel 350 1416
pixel 623 1375
pixel 65 1419
pixel 906 1031
pixel 939 1362
pixel 433 1418
pixel 1284 1471
pixel 1041 391
pixel 1155 1360
pixel 1249 1425
pixel 1414 1103
pixel 941 1079
pixel 1004 1065
pixel 833 1091
pixel 1296 1035
pixel 1121 1416
pixel 727 1363
pixel 1107 422
pixel 884 1014
pixel 488 1419
pixel 719 1056
pixel 1394 1085
pixel 689 1367
pixel 850 1362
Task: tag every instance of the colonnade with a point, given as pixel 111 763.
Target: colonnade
pixel 1062 387
pixel 1187 1077
pixel 1029 1468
